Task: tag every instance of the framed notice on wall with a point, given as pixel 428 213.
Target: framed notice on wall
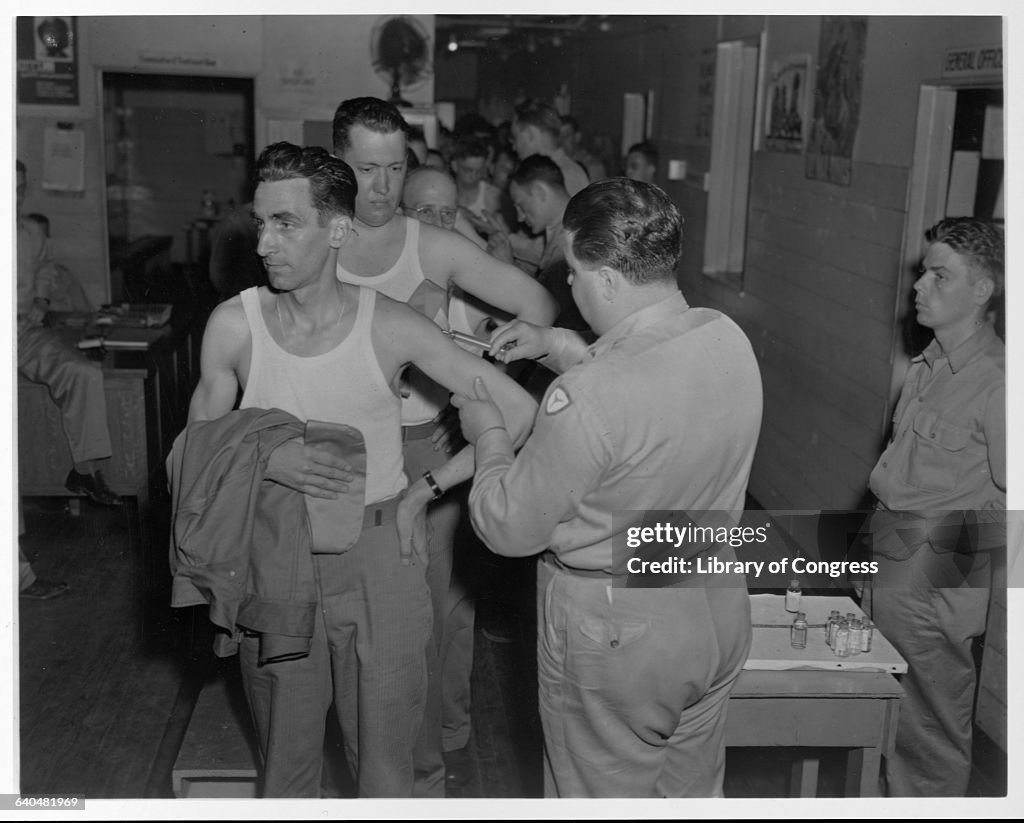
pixel 47 50
pixel 787 104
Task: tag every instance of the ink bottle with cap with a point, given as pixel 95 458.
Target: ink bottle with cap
pixel 793 596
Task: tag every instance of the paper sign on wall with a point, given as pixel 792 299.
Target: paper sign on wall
pixel 64 159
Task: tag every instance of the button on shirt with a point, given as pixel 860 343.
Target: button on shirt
pixel 663 413
pixel 948 449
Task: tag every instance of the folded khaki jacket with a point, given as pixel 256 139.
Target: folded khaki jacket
pixel 335 525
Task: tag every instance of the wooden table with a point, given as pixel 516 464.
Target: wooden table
pixel 810 698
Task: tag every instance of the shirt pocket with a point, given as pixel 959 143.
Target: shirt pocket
pixel 612 635
pixel 937 452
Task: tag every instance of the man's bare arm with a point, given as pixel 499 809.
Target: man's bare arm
pixel 225 341
pixel 401 336
pixel 449 257
pixel 226 345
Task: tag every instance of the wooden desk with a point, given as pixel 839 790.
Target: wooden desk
pixel 143 416
pixel 44 458
pixel 809 698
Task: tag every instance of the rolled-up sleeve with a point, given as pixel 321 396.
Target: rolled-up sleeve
pixel 517 502
pixel 995 435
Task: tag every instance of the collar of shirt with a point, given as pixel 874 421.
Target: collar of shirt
pixel 962 354
pixel 552 234
pixel 640 319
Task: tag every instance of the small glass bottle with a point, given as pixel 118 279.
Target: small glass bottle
pixel 855 632
pixel 831 626
pixel 841 644
pixel 866 630
pixel 793 596
pixel 798 632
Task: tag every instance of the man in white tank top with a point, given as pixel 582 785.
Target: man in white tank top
pixel 417 264
pixel 324 350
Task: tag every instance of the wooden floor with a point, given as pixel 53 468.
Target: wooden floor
pixel 108 681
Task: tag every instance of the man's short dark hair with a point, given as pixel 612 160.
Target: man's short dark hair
pixel 331 181
pixel 980 241
pixel 537 168
pixel 629 225
pixel 470 146
pixel 540 114
pixel 369 112
pixel 648 150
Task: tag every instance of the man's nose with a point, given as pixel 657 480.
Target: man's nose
pixel 381 184
pixel 264 244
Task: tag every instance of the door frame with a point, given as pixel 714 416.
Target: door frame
pixel 246 85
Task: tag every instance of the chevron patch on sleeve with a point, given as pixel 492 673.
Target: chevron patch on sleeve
pixel 558 399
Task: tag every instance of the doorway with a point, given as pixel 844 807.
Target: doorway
pixel 178 154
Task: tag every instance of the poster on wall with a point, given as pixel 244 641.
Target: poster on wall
pixel 47 50
pixel 787 104
pixel 837 99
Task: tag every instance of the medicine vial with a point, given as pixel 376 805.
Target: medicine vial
pixel 866 631
pixel 793 596
pixel 841 644
pixel 855 633
pixel 831 626
pixel 798 632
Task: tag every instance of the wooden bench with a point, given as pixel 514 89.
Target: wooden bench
pixel 219 755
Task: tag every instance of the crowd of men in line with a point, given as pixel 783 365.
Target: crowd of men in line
pixel 401 346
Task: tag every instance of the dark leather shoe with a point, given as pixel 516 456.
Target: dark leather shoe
pixel 457 768
pixel 92 486
pixel 44 589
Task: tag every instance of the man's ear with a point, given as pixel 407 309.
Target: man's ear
pixel 609 283
pixel 341 229
pixel 983 289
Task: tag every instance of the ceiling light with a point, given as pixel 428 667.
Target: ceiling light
pixel 453 43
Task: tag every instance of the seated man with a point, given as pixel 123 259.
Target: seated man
pixel 323 350
pixel 75 383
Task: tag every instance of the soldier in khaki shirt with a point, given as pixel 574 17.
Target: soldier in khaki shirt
pixel 662 412
pixel 941 490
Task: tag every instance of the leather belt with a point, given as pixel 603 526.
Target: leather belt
pixel 381 513
pixel 418 432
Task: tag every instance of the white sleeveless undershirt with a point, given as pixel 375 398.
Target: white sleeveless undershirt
pixel 406 283
pixel 343 385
